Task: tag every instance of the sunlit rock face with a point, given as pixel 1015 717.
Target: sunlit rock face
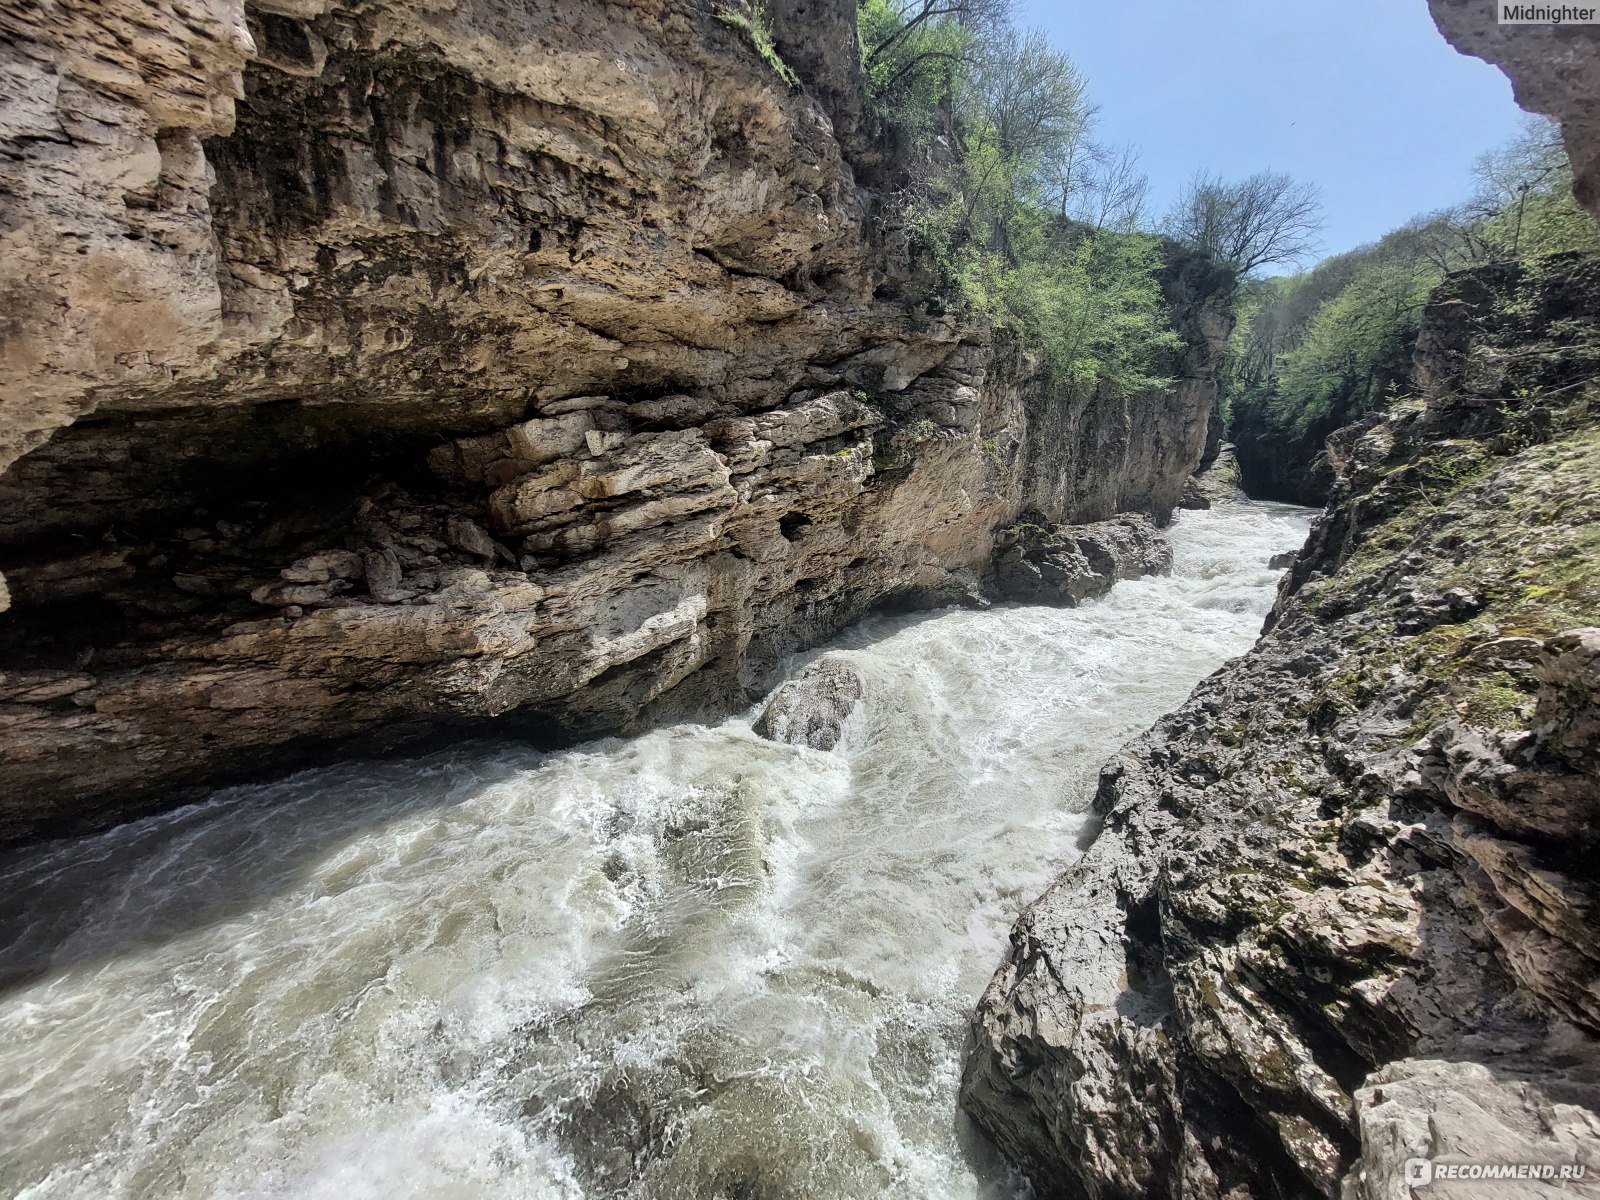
pixel 1340 913
pixel 374 370
pixel 1555 71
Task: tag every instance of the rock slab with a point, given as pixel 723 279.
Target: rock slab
pixel 1039 563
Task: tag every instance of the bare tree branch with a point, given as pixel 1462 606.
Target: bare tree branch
pixel 1265 220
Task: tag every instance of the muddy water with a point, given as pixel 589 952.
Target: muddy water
pixel 689 965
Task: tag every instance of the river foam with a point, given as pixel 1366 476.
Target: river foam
pixel 689 965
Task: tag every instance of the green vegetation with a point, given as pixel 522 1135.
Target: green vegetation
pixel 750 19
pixel 1023 218
pixel 1313 351
pixel 1356 324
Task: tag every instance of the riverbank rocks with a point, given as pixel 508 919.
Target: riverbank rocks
pixel 1194 496
pixel 1342 910
pixel 379 372
pixel 1039 563
pixel 1216 483
pixel 811 709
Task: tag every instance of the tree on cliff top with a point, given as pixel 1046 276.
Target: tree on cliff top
pixel 1003 192
pixel 1524 206
pixel 915 52
pixel 1265 220
pixel 897 32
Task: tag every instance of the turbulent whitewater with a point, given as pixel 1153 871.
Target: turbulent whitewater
pixel 693 964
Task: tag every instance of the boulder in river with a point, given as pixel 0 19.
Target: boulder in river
pixel 811 709
pixel 1194 495
pixel 1067 564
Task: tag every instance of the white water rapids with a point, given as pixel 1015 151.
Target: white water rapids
pixel 690 965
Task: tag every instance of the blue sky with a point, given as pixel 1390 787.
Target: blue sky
pixel 1362 97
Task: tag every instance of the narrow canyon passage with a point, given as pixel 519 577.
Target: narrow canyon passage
pixel 688 965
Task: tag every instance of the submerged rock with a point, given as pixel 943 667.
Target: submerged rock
pixel 1067 564
pixel 811 709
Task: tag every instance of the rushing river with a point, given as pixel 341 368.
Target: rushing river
pixel 690 965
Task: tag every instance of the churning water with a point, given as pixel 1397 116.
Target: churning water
pixel 691 965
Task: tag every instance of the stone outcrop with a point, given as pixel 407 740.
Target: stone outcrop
pixel 1089 456
pixel 1341 909
pixel 1554 70
pixel 376 370
pixel 1068 564
pixel 1216 482
pixel 811 709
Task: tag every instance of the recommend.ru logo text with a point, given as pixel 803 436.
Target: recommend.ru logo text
pixel 1420 1172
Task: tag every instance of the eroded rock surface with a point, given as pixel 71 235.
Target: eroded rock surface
pixel 811 709
pixel 1341 912
pixel 1067 564
pixel 1216 482
pixel 378 369
pixel 1554 70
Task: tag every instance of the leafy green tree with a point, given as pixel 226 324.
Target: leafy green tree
pixel 915 53
pixel 1027 220
pixel 1357 342
pixel 1312 351
pixel 1325 345
pixel 1524 200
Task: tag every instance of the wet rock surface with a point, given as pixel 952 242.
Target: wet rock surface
pixel 1067 564
pixel 811 709
pixel 1340 913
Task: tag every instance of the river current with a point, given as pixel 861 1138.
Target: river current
pixel 685 966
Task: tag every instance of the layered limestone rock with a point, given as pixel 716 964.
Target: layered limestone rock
pixel 375 370
pixel 581 593
pixel 1341 910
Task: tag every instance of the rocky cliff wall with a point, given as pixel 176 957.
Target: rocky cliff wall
pixel 1554 70
pixel 1341 912
pixel 1095 455
pixel 371 369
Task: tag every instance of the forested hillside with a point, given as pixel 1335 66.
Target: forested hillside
pixel 1314 350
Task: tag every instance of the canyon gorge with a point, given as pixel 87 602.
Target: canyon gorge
pixel 424 365
pixel 541 655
